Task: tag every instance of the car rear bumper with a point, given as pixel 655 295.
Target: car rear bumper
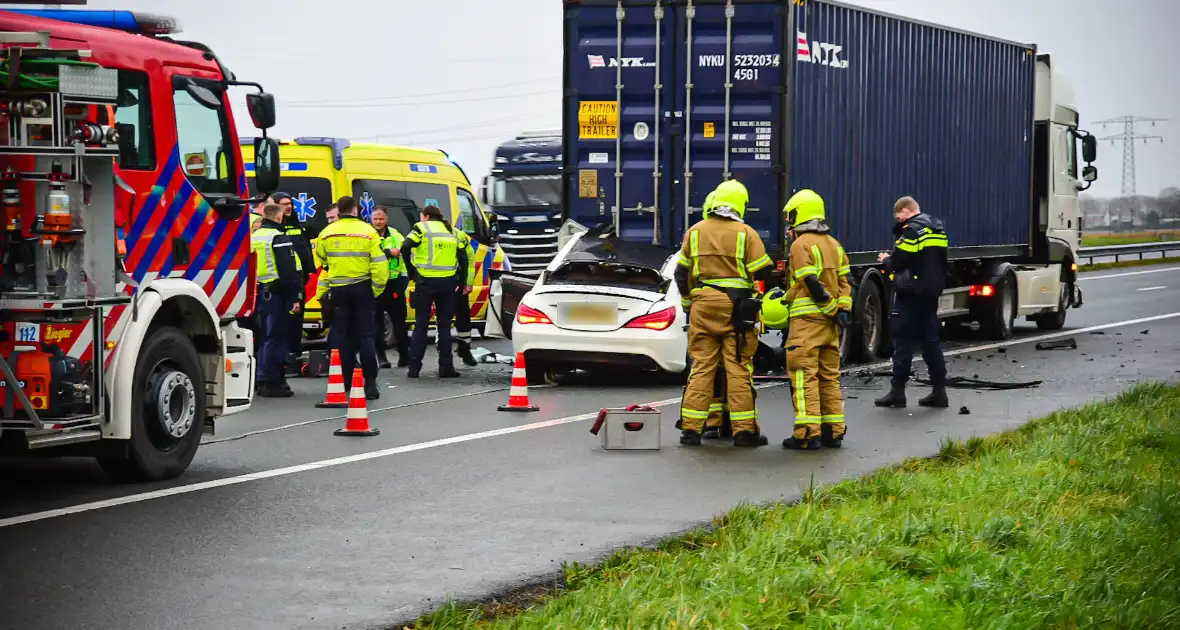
pixel 665 350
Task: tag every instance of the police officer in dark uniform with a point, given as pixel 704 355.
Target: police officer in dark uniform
pixel 294 230
pixel 918 266
pixel 280 293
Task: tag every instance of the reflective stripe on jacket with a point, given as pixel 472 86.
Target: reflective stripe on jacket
pixel 435 250
pixel 349 251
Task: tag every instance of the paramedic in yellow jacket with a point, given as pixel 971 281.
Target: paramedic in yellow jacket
pixel 721 257
pixel 820 300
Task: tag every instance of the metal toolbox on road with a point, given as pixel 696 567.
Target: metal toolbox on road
pixel 635 428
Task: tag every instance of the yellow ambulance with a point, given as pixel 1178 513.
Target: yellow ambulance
pixel 316 171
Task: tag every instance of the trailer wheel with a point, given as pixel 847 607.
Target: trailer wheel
pixel 167 413
pixel 1002 314
pixel 868 325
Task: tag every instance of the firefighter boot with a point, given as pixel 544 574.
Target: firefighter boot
pixel 688 437
pixel 895 397
pixel 832 435
pixel 812 443
pixel 937 398
pixel 748 438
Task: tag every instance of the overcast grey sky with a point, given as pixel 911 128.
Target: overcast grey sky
pixel 463 75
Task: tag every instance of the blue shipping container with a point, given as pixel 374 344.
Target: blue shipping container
pixel 860 106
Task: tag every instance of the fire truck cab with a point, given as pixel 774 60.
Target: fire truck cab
pixel 125 254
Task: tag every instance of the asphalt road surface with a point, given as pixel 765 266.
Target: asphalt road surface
pixel 279 524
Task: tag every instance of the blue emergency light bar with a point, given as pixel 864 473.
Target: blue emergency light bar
pixel 126 21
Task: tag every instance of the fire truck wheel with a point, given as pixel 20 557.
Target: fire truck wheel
pixel 168 411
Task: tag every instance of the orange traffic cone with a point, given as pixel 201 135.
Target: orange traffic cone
pixel 336 399
pixel 518 395
pixel 358 413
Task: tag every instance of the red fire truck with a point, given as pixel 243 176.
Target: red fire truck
pixel 125 255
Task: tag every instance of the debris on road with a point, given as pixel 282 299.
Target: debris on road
pixel 483 355
pixel 1062 344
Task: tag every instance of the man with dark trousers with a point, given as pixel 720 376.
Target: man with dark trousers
pixel 280 293
pixel 918 266
pixel 355 273
pixel 392 301
pixel 294 231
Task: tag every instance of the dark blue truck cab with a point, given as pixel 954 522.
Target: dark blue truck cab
pixel 523 190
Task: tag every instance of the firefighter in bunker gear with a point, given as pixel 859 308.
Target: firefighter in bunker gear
pixel 720 259
pixel 466 280
pixel 433 256
pixel 717 425
pixel 280 293
pixel 819 297
pixel 392 301
pixel 355 271
pixel 918 266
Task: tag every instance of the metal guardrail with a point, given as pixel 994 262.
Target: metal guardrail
pixel 1135 249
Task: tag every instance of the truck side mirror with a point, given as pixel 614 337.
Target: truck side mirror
pixel 262 109
pixel 266 166
pixel 483 190
pixel 1089 173
pixel 1089 150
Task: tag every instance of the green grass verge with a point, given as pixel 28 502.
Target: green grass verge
pixel 1129 263
pixel 1070 521
pixel 1103 239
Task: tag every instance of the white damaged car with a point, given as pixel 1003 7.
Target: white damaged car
pixel 601 304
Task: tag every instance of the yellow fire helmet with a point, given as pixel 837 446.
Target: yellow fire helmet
pixel 708 203
pixel 805 205
pixel 775 310
pixel 732 193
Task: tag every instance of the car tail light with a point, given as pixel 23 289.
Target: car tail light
pixel 660 320
pixel 530 315
pixel 985 290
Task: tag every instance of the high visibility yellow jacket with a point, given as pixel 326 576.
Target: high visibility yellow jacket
pixel 465 245
pixel 391 241
pixel 434 251
pixel 349 251
pixel 278 264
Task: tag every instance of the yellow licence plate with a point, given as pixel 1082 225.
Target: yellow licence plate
pixel 589 313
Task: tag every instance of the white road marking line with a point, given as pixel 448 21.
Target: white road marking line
pixel 1152 288
pixel 459 439
pixel 1129 273
pixel 293 425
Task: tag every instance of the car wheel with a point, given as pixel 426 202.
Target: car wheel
pixel 167 411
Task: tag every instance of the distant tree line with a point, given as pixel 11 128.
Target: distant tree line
pixel 1140 212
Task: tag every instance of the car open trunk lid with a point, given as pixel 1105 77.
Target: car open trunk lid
pixel 603 283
